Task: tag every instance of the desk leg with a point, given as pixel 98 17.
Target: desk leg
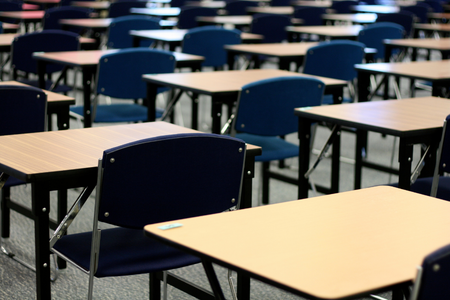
pixel 304 136
pixel 41 210
pixel 361 143
pixel 87 79
pixel 152 91
pixel 363 86
pixel 405 162
pixel 213 281
pixel 216 114
pixel 41 65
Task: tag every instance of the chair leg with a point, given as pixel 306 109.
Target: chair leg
pixel 155 287
pixel 265 182
pixel 5 193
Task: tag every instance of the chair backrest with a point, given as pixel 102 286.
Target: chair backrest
pixel 170 177
pixel 1 27
pixel 122 8
pixel 443 157
pixel 54 14
pixel 271 26
pixel 188 15
pixel 23 109
pixel 311 16
pixel 239 7
pixel 266 107
pixel 209 41
pixel 23 46
pixel 404 18
pixel 120 73
pixel 118 32
pixel 343 7
pixel 177 3
pixel 432 277
pixel 435 5
pixel 280 3
pixel 334 59
pixel 67 2
pixel 372 36
pixel 420 11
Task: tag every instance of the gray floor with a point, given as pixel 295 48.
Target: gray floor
pixel 18 282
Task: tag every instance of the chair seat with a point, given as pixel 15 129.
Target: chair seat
pixel 61 88
pixel 273 148
pixel 328 99
pixel 12 181
pixel 423 186
pixel 138 255
pixel 119 113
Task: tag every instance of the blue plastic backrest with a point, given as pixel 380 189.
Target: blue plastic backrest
pixel 343 7
pixel 122 8
pixel 239 7
pixel 118 33
pixel 280 3
pixel 372 36
pixel 435 274
pixel 266 107
pixel 120 73
pixel 403 18
pixel 444 165
pixel 334 59
pixel 171 177
pixel 420 12
pixel 23 109
pixel 24 45
pixel 209 42
pixel 435 5
pixel 271 26
pixel 54 14
pixel 188 15
pixel 1 27
pixel 311 16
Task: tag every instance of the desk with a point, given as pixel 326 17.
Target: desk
pixel 223 87
pixel 26 16
pixel 360 18
pixel 67 159
pixel 88 61
pixel 431 28
pixel 97 5
pixel 438 72
pixel 236 21
pixel 210 4
pixel 174 37
pixel 332 32
pixel 438 17
pixel 377 9
pixel 442 45
pixel 339 246
pixel 45 3
pixel 276 10
pixel 163 12
pixel 325 4
pixel 414 121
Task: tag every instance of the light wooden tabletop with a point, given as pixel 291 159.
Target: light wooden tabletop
pixel 24 15
pixel 274 49
pixel 312 3
pixel 431 27
pixel 103 23
pixel 51 96
pixel 233 20
pixel 225 81
pixel 157 12
pixel 382 9
pixel 329 247
pixel 177 35
pixel 426 70
pixel 359 18
pixel 434 44
pixel 331 31
pixel 277 10
pixel 397 117
pixel 104 5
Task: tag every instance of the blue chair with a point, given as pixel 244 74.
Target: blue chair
pixel 435 5
pixel 209 41
pixel 198 174
pixel 403 18
pixel 420 11
pixel 432 276
pixel 271 26
pixel 265 113
pixel 23 47
pixel 372 36
pixel 23 109
pixel 53 15
pixel 343 7
pixel 311 16
pixel 119 76
pixel 122 8
pixel 280 3
pixel 188 15
pixel 438 185
pixel 118 35
pixel 334 59
pixel 239 7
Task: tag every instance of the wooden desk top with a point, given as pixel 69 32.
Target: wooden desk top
pixel 103 23
pixel 91 57
pixel 177 35
pixel 157 12
pixel 433 44
pixel 330 247
pixel 275 49
pixel 226 81
pixel 99 5
pixel 210 4
pixel 24 15
pixel 360 18
pixel 29 156
pixel 426 70
pixel 324 3
pixel 394 117
pixel 436 27
pixel 278 10
pixel 234 20
pixel 51 96
pixel 379 9
pixel 6 39
pixel 331 31
pixel 433 15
